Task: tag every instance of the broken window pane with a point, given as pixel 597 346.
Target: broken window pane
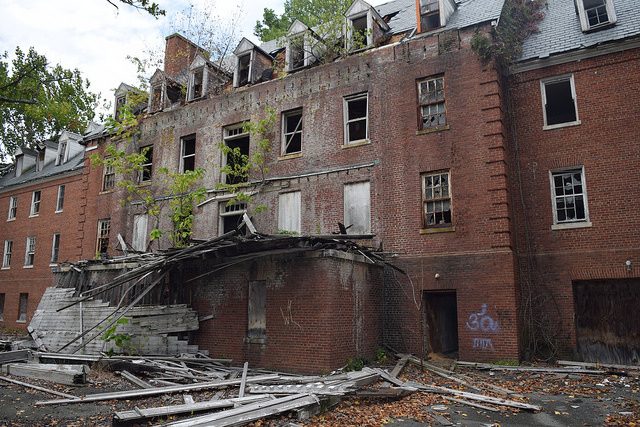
pixel 560 105
pixel 357 208
pixel 292 132
pixel 437 200
pixel 296 58
pixel 596 11
pixel 198 79
pixel 147 164
pixel 432 106
pixel 244 63
pixel 569 198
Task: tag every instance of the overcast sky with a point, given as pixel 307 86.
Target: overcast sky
pixel 96 38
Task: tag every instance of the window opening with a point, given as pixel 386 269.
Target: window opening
pixel 22 309
pixel 429 14
pixel 156 98
pixel 289 212
pixel 30 252
pixel 257 310
pixel 13 207
pixel 559 101
pixel 360 29
pixel 8 250
pixel 1 306
pixel 198 79
pixel 296 44
pixel 357 208
pixel 436 200
pixel 569 196
pixel 244 65
pixel 109 176
pixel 140 223
pixel 356 118
pixel 596 11
pixel 237 157
pixel 292 132
pixel 55 248
pixel 231 216
pixel 188 153
pixel 104 227
pixel 35 203
pixel 62 150
pixel 120 102
pixel 147 164
pixel 60 199
pixel 432 108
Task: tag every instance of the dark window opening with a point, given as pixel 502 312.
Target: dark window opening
pixel 257 310
pixel 147 164
pixel 188 153
pixel 292 132
pixel 436 200
pixel 297 52
pixel 22 308
pixel 429 15
pixel 174 93
pixel 237 160
pixel 360 30
pixel 198 79
pixel 596 11
pixel 357 119
pixel 569 196
pixel 55 248
pixel 156 100
pixel 231 216
pixel 441 321
pixel 560 106
pixel 120 101
pixel 244 64
pixel 104 227
pixel 1 307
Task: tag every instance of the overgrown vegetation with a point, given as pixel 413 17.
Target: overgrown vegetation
pixel 519 19
pixel 121 340
pixel 355 364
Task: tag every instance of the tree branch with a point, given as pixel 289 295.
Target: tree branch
pixel 17 101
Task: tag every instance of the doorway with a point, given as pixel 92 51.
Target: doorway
pixel 441 322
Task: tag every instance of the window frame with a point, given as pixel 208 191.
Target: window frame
pixel 284 134
pixel 183 156
pixel 13 208
pixel 23 315
pixel 447 226
pixel 192 83
pixel 62 154
pixel 108 177
pixel 55 249
pixel 348 206
pixel 240 67
pixel 147 165
pixel 292 41
pixel 60 199
pixel 102 236
pixel 558 79
pixel 6 254
pixel 35 203
pixel 428 103
pixel 223 212
pixel 424 14
pixel 232 133
pixel 368 31
pixel 30 252
pixel 567 224
pixel 284 215
pixel 584 16
pixel 346 121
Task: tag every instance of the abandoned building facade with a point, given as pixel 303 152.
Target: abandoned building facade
pixel 470 177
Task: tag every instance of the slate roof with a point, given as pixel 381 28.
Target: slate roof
pixel 49 170
pixel 473 12
pixel 560 30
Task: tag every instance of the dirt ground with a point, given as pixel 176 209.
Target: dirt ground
pixel 567 400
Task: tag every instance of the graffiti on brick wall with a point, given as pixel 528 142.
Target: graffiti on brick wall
pixel 483 323
pixel 287 315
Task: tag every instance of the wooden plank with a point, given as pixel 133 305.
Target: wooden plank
pixel 36 387
pixel 399 366
pixel 532 369
pixel 473 404
pixel 62 374
pixel 243 381
pixel 599 365
pixel 156 391
pixel 14 356
pixel 162 411
pixel 134 380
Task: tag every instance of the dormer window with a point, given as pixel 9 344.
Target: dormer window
pixel 596 14
pixel 364 26
pixel 62 153
pixel 429 15
pixel 197 83
pixel 296 52
pixel 244 69
pixel 301 49
pixel 359 32
pixel 252 64
pixel 120 101
pixel 156 98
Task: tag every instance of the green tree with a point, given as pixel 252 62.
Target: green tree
pixel 321 15
pixel 38 101
pixel 150 7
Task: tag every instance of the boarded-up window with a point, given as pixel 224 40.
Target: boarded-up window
pixel 357 208
pixel 289 212
pixel 257 313
pixel 140 232
pixel 22 309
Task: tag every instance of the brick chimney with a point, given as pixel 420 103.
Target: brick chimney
pixel 178 54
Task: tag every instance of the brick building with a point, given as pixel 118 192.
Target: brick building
pixel 41 202
pixel 576 116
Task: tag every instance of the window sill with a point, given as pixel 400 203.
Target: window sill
pixel 53 264
pixel 357 143
pixel 255 340
pixel 27 266
pixel 432 130
pixel 21 321
pixel 106 192
pixel 570 225
pixel 10 219
pixel 561 125
pixel 34 215
pixel 5 268
pixel 60 211
pixel 144 183
pixel 290 156
pixel 437 230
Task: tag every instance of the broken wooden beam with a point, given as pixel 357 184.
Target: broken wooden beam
pixel 37 387
pixel 472 404
pixel 131 394
pixel 134 380
pixel 399 366
pixel 163 411
pixel 243 381
pixel 387 392
pixel 599 365
pixel 61 374
pixel 14 356
pixel 488 366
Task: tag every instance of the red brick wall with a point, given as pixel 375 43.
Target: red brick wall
pixel 179 54
pixel 607 144
pixel 33 281
pixel 320 311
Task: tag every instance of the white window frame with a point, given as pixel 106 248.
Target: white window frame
pixel 55 248
pixel 290 212
pixel 192 81
pixel 63 153
pixel 30 252
pixel 13 208
pixel 345 108
pixel 60 199
pixel 148 164
pixel 442 198
pixel 103 224
pixel 305 51
pixel 35 203
pixel 225 210
pixel 6 257
pixel 297 130
pixel 183 156
pixel 422 103
pixel 584 18
pixel 108 177
pixel 368 31
pixel 567 224
pixel 350 206
pixel 139 236
pixel 543 91
pixel 236 74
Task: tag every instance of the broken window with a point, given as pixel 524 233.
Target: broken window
pixel 174 93
pixel 62 152
pixel 102 244
pixel 244 68
pixel 40 161
pixel 595 14
pixel 431 98
pixel 289 212
pixel 292 132
pixel 236 157
pixel 139 241
pixel 559 99
pixel 296 52
pixel 156 97
pixel 147 163
pixel 60 199
pixel 13 208
pixel 569 196
pixel 230 216
pixel 188 157
pixel 197 83
pixel 22 308
pixel 30 251
pixel 120 102
pixel 257 310
pixel 359 32
pixel 357 208
pixel 356 118
pixel 429 15
pixel 35 203
pixel 1 307
pixel 108 176
pixel 55 248
pixel 436 199
pixel 8 249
